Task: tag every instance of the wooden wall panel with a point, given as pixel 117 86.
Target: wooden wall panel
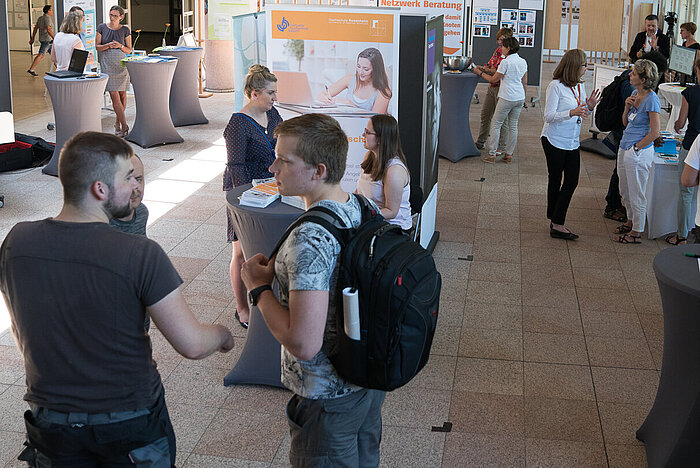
pixel 552 23
pixel 600 25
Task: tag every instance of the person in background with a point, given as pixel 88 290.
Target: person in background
pixel 385 178
pixel 332 422
pixel 113 42
pixel 641 120
pixel 250 150
pixel 687 201
pixel 489 105
pixel 688 35
pixel 95 395
pixel 512 73
pixel 134 222
pixel 650 39
pixel 67 39
pixel 79 11
pixel 690 178
pixel 614 209
pixel 367 88
pixel 44 26
pixel 565 108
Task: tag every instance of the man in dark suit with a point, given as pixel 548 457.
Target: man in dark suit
pixel 650 39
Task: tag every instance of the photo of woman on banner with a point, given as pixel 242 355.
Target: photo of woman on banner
pixel 367 88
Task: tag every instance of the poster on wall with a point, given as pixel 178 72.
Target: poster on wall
pixel 20 5
pixel 339 62
pixel 512 25
pixel 482 30
pixel 220 18
pixel 89 28
pixel 509 15
pixel 454 18
pixel 526 16
pixel 21 20
pixel 485 14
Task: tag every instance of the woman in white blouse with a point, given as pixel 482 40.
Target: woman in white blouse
pixel 564 110
pixel 67 40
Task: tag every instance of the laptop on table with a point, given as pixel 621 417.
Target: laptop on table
pixel 76 66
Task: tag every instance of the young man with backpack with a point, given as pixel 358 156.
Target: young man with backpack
pixel 332 422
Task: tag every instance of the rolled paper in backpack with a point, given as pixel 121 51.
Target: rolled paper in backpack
pixel 351 313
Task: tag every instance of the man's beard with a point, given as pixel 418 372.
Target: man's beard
pixel 115 211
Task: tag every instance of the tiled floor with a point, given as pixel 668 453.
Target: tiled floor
pixel 547 352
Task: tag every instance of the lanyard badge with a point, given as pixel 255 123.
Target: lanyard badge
pixel 578 99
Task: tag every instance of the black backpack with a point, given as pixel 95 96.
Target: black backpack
pixel 399 293
pixel 608 113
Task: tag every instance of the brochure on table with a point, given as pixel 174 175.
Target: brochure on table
pixel 454 13
pixel 88 26
pixel 319 46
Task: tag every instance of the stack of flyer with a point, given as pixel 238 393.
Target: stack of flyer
pixel 261 195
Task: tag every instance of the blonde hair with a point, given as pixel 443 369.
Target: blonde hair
pixel 257 78
pixel 72 23
pixel 647 71
pixel 569 69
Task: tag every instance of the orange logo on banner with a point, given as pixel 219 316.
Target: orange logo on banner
pixel 332 26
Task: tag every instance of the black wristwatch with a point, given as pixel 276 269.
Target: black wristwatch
pixel 255 293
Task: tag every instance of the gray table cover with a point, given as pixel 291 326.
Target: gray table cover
pixel 455 139
pixel 77 107
pixel 258 230
pixel 671 431
pixel 184 93
pixel 151 82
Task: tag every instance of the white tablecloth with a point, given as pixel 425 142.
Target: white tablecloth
pixel 672 93
pixel 662 198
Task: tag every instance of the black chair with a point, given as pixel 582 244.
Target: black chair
pixel 416 200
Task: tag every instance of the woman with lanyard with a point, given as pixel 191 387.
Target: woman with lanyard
pixel 565 107
pixel 642 121
pixel 250 147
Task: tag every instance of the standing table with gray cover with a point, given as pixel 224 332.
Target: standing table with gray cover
pixel 258 230
pixel 671 431
pixel 77 107
pixel 455 140
pixel 151 82
pixel 184 93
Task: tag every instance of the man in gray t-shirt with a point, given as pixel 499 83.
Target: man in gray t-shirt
pixel 341 422
pixel 44 26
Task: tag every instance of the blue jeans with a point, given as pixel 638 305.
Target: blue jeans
pixel 687 201
pixel 337 432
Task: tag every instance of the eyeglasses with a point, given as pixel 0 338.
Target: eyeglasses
pixel 367 132
pixel 113 15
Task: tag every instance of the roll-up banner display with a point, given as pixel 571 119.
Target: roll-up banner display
pixel 336 61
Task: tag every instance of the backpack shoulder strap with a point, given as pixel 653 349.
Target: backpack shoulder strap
pixel 320 215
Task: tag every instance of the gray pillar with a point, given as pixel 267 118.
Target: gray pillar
pixel 5 78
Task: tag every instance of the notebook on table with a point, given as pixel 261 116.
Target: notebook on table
pixel 76 66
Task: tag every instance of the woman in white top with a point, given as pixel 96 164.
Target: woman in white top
pixel 385 178
pixel 367 88
pixel 66 40
pixel 564 109
pixel 512 73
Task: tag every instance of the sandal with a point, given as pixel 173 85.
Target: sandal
pixel 628 239
pixel 489 159
pixel 616 215
pixel 622 229
pixel 677 241
pixel 507 158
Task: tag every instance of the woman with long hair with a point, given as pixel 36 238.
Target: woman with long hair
pixel 67 39
pixel 512 73
pixel 385 178
pixel 565 107
pixel 367 88
pixel 250 148
pixel 113 42
pixel 641 119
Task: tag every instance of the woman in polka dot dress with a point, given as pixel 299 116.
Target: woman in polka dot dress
pixel 250 147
